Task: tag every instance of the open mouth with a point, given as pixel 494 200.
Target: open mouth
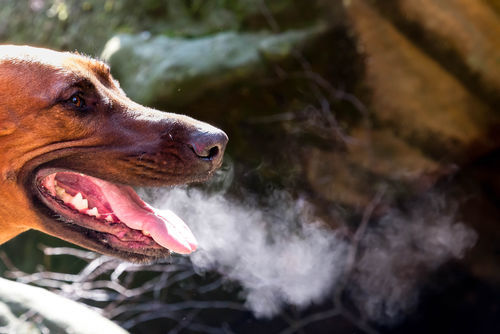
pixel 115 212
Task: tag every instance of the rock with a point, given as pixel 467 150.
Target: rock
pixel 372 159
pixel 469 28
pixel 412 94
pixel 178 70
pixel 384 154
pixel 28 309
pixel 338 180
pixel 426 122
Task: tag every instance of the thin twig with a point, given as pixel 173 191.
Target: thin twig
pixel 303 322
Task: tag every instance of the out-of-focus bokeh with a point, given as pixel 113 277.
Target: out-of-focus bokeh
pixel 360 192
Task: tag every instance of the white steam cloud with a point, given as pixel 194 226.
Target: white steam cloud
pixel 401 251
pixel 280 255
pixel 283 255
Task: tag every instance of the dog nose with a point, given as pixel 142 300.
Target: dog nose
pixel 209 144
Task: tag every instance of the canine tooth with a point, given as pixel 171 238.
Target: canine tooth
pixel 79 202
pixel 109 218
pixel 60 191
pixel 93 212
pixel 146 233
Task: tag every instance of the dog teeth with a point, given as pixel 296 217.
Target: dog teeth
pixel 79 202
pixel 60 191
pixel 146 233
pixel 62 194
pixel 93 212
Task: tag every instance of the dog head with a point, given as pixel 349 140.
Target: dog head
pixel 73 144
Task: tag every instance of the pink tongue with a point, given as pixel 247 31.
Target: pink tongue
pixel 165 227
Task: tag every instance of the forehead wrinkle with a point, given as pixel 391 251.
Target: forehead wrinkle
pixel 46 82
pixel 86 77
pixel 58 74
pixel 95 68
pixel 48 74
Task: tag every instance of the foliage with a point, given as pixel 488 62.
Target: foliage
pixel 86 25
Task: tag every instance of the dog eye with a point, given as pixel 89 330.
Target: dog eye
pixel 77 100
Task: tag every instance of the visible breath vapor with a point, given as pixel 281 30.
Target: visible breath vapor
pixel 401 251
pixel 280 256
pixel 283 255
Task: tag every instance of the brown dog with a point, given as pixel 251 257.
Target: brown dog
pixel 72 144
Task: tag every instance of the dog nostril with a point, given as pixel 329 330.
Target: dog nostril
pixel 205 152
pixel 209 145
pixel 213 152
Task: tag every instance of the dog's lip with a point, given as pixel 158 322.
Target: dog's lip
pixel 166 229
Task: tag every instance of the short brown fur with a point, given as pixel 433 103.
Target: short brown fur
pixel 115 138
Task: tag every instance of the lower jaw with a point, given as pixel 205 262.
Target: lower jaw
pixel 67 228
pixel 65 223
pixel 105 243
